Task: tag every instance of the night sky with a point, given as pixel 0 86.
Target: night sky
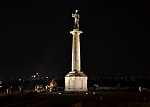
pixel 34 37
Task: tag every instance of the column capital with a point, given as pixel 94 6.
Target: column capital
pixel 76 31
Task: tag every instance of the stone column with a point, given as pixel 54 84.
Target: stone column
pixel 76 61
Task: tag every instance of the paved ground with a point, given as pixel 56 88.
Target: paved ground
pixel 56 99
pixel 44 99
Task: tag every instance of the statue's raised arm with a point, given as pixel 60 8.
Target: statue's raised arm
pixel 76 17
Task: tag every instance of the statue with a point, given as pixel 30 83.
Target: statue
pixel 76 19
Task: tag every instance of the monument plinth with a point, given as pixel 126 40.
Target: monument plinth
pixel 76 80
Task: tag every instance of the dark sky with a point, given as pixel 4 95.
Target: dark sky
pixel 34 37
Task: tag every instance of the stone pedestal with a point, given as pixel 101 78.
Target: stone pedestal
pixel 75 82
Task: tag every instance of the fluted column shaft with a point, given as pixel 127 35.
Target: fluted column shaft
pixel 76 61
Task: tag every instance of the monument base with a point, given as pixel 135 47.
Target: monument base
pixel 76 81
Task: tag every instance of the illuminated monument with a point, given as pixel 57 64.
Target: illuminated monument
pixel 76 80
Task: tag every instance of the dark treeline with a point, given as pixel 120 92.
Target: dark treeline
pixel 120 82
pixel 30 84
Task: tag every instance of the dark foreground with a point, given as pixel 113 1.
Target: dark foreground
pixel 89 99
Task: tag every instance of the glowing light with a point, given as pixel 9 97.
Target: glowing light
pixel 140 89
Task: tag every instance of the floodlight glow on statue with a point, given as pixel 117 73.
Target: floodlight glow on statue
pixel 76 19
pixel 76 80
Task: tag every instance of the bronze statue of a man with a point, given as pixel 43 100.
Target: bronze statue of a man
pixel 76 19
